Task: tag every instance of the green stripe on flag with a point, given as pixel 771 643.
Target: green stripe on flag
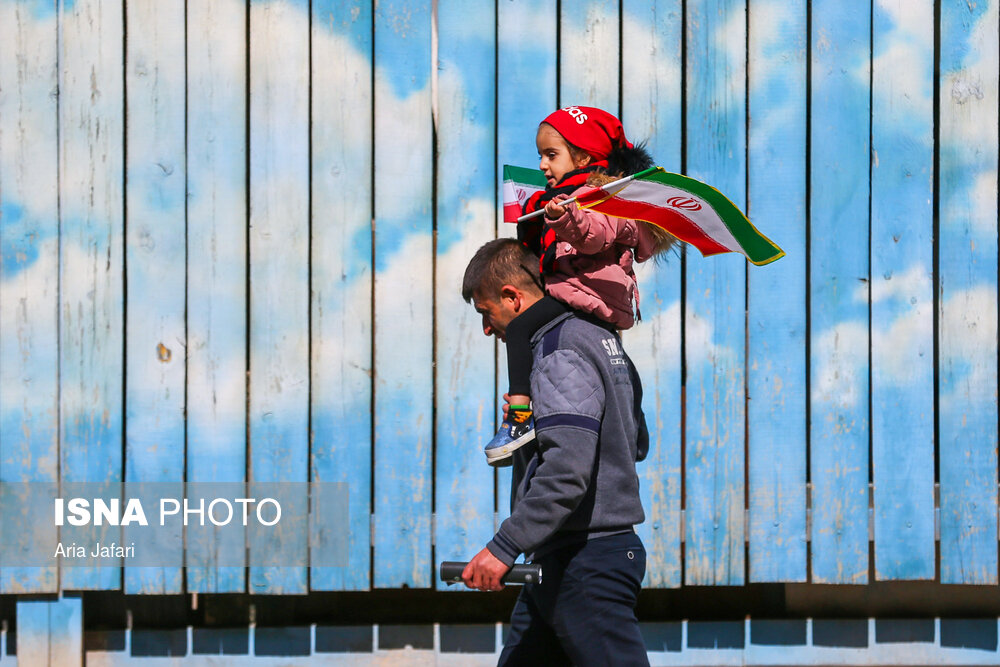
pixel 524 176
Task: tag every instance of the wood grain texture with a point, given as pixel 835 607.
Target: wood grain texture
pixel 155 270
pixel 342 280
pixel 651 112
pixel 29 274
pixel 91 175
pixel 589 54
pixel 466 213
pixel 216 274
pixel 776 330
pixel 404 333
pixel 526 94
pixel 967 292
pixel 839 339
pixel 279 271
pixel 902 289
pixel 715 353
pixel 305 210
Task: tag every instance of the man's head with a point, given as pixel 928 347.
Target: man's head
pixel 501 281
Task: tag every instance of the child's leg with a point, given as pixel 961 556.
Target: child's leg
pixel 518 426
pixel 519 333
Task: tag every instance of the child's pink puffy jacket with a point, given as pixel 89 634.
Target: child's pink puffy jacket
pixel 593 265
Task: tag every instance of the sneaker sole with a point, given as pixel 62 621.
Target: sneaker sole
pixel 496 455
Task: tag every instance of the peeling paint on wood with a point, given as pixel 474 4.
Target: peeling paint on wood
pixel 715 321
pixel 967 292
pixel 776 329
pixel 358 165
pixel 155 260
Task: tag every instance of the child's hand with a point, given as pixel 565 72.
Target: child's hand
pixel 553 210
pixel 506 405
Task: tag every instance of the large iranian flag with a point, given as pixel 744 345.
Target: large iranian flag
pixel 519 183
pixel 689 209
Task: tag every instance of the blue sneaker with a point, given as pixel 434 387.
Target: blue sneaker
pixel 517 429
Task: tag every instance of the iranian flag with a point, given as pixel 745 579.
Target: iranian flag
pixel 519 183
pixel 692 211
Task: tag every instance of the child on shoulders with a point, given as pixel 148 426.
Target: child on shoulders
pixel 585 257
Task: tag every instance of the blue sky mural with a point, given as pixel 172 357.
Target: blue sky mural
pixel 376 373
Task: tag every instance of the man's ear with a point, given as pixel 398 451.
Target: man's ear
pixel 512 294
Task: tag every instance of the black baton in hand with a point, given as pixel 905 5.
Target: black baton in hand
pixel 525 573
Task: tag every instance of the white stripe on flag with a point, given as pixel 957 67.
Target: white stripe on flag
pixel 705 217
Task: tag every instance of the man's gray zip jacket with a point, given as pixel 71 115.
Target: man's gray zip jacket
pixel 578 480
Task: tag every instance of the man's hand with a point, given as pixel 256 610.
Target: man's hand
pixel 484 572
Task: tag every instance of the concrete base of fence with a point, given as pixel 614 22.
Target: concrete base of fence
pixel 751 642
pixel 50 632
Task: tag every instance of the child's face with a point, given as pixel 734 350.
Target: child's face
pixel 556 158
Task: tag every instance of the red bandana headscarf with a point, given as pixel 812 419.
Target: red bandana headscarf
pixel 590 129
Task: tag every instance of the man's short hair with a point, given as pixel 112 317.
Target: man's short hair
pixel 500 262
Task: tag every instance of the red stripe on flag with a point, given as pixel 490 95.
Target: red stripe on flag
pixel 669 219
pixel 511 211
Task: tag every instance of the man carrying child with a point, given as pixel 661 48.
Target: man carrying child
pixel 575 491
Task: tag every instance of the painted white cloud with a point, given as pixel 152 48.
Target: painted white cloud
pixel 775 37
pixel 968 333
pixel 842 352
pixel 984 201
pixel 970 94
pixel 915 19
pixel 656 337
pixel 903 65
pixel 912 286
pixel 903 348
pixel 525 23
pixel 731 39
pixel 587 78
pixel 29 342
pixel 651 72
pixel 28 115
pixel 968 330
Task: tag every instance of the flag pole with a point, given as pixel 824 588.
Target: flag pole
pixel 606 186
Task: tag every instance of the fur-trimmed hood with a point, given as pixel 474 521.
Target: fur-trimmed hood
pixel 623 161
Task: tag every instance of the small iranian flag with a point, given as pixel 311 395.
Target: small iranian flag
pixel 519 183
pixel 692 211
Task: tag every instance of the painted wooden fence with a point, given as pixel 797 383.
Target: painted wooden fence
pixel 233 235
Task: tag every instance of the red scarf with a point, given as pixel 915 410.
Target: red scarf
pixel 536 233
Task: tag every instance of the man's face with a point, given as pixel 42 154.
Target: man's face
pixel 497 314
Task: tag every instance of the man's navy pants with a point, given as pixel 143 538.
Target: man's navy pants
pixel 583 612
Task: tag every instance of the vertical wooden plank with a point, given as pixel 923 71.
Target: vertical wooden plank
pixel 466 185
pixel 967 287
pixel 716 299
pixel 50 632
pixel 341 278
pixel 155 264
pixel 776 373
pixel 216 271
pixel 91 257
pixel 902 294
pixel 589 54
pixel 651 112
pixel 838 295
pixel 526 93
pixel 279 269
pixel 403 294
pixel 29 273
